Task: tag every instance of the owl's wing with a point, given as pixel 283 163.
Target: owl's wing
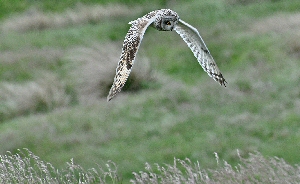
pixel 130 48
pixel 194 41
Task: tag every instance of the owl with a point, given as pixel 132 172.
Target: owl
pixel 162 20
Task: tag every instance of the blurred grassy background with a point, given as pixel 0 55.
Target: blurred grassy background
pixel 58 60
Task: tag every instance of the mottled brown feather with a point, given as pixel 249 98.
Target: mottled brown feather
pixel 130 48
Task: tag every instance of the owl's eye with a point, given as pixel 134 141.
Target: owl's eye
pixel 168 23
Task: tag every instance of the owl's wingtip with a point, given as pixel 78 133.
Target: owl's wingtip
pixel 112 93
pixel 220 79
pixel 110 96
pixel 223 82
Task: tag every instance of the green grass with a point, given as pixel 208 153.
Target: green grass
pixel 8 7
pixel 180 112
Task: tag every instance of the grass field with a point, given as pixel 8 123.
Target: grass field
pixel 58 62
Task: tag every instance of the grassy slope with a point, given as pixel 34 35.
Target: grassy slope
pixel 190 116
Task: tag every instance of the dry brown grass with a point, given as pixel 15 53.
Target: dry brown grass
pixel 35 96
pixel 41 92
pixel 294 44
pixel 90 75
pixel 25 167
pixel 48 55
pixel 280 23
pixel 34 19
pixel 93 71
pixel 255 169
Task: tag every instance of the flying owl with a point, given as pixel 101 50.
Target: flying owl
pixel 162 20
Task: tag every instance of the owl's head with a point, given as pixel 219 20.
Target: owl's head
pixel 167 21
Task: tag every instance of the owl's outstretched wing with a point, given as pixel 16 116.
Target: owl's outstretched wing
pixel 130 48
pixel 194 41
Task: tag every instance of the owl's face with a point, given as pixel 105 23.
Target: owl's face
pixel 166 23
